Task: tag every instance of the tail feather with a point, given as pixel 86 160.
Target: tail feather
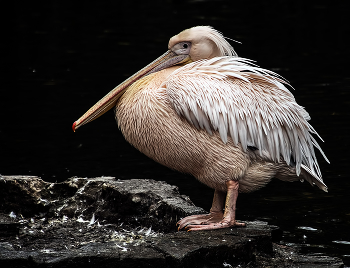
pixel 312 178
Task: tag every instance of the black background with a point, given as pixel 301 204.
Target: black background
pixel 65 56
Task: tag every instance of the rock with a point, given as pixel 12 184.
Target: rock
pixel 137 202
pixel 213 248
pixel 285 256
pixel 8 227
pixel 104 222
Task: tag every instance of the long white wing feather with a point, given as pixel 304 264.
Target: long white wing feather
pixel 247 103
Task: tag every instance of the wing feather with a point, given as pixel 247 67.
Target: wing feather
pixel 236 98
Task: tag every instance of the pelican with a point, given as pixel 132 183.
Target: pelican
pixel 202 110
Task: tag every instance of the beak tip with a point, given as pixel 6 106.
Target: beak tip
pixel 73 127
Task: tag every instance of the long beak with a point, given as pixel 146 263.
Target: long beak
pixel 108 102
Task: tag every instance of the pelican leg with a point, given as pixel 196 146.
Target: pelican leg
pixel 229 217
pixel 215 214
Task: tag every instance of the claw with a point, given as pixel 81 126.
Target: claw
pixel 204 219
pixel 214 226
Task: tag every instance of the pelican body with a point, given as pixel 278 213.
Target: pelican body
pixel 202 110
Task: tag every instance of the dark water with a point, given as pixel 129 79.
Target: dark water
pixel 67 56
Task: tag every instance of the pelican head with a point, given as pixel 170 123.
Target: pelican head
pixel 201 42
pixel 197 43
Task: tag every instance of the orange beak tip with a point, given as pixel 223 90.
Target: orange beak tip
pixel 73 127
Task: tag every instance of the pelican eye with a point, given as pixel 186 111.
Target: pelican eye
pixel 182 48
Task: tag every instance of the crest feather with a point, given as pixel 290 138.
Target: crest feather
pixel 217 37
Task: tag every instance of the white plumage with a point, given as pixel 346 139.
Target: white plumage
pixel 247 103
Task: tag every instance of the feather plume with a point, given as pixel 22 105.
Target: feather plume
pixel 246 103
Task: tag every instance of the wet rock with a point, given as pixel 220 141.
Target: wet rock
pixel 137 202
pixel 104 222
pixel 216 247
pixel 8 227
pixel 285 256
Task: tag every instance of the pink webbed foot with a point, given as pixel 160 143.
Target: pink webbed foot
pixel 203 219
pixel 215 225
pixel 216 219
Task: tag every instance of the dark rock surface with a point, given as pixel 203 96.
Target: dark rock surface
pixel 104 222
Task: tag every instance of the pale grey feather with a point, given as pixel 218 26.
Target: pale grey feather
pixel 249 104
